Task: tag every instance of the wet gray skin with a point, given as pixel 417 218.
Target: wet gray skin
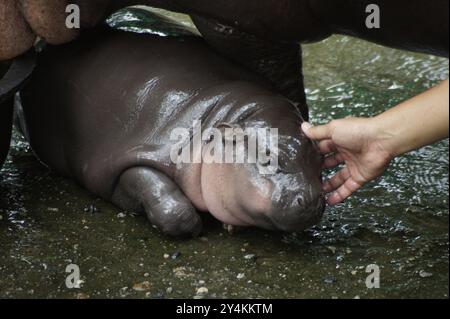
pixel 399 222
pixel 113 135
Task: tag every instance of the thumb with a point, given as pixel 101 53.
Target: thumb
pixel 320 132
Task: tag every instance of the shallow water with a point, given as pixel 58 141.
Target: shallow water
pixel 399 222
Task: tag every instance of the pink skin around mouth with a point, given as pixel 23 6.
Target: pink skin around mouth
pixel 227 192
pixel 230 196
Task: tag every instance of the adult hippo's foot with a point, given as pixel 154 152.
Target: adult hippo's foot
pixel 12 77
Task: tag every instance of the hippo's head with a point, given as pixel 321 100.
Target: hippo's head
pixel 286 197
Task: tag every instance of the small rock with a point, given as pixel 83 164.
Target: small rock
pixel 92 209
pixel 179 272
pixel 82 295
pixel 202 291
pixel 330 280
pixel 53 209
pixel 169 290
pixel 354 272
pixel 425 274
pixel 229 228
pixel 143 286
pixel 175 255
pixel 166 256
pixel 240 276
pixel 332 249
pixel 121 215
pixel 251 257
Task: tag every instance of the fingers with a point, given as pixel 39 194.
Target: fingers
pixel 333 160
pixel 336 181
pixel 327 147
pixel 47 18
pixel 342 185
pixel 16 37
pixel 320 132
pixel 343 192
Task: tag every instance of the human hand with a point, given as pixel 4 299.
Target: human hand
pixel 355 143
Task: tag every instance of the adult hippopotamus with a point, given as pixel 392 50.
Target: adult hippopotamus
pixel 12 76
pixel 102 109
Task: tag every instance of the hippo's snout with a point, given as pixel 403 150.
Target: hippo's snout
pixel 305 211
pixel 298 203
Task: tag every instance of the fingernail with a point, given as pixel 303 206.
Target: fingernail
pixel 306 126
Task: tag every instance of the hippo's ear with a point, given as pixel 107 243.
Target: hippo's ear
pixel 279 63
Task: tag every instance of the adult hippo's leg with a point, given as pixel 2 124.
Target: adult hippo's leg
pixel 12 77
pixel 415 25
pixel 6 110
pixel 146 190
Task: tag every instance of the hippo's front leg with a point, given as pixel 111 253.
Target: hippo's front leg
pixel 145 189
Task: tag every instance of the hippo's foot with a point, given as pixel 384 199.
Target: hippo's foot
pixel 166 207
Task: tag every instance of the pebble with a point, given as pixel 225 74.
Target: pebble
pixel 240 276
pixel 330 280
pixel 121 215
pixel 332 249
pixel 92 209
pixel 166 256
pixel 82 295
pixel 169 290
pixel 179 272
pixel 202 291
pixel 425 274
pixel 175 255
pixel 250 257
pixel 143 286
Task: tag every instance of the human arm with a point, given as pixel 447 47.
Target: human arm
pixel 367 145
